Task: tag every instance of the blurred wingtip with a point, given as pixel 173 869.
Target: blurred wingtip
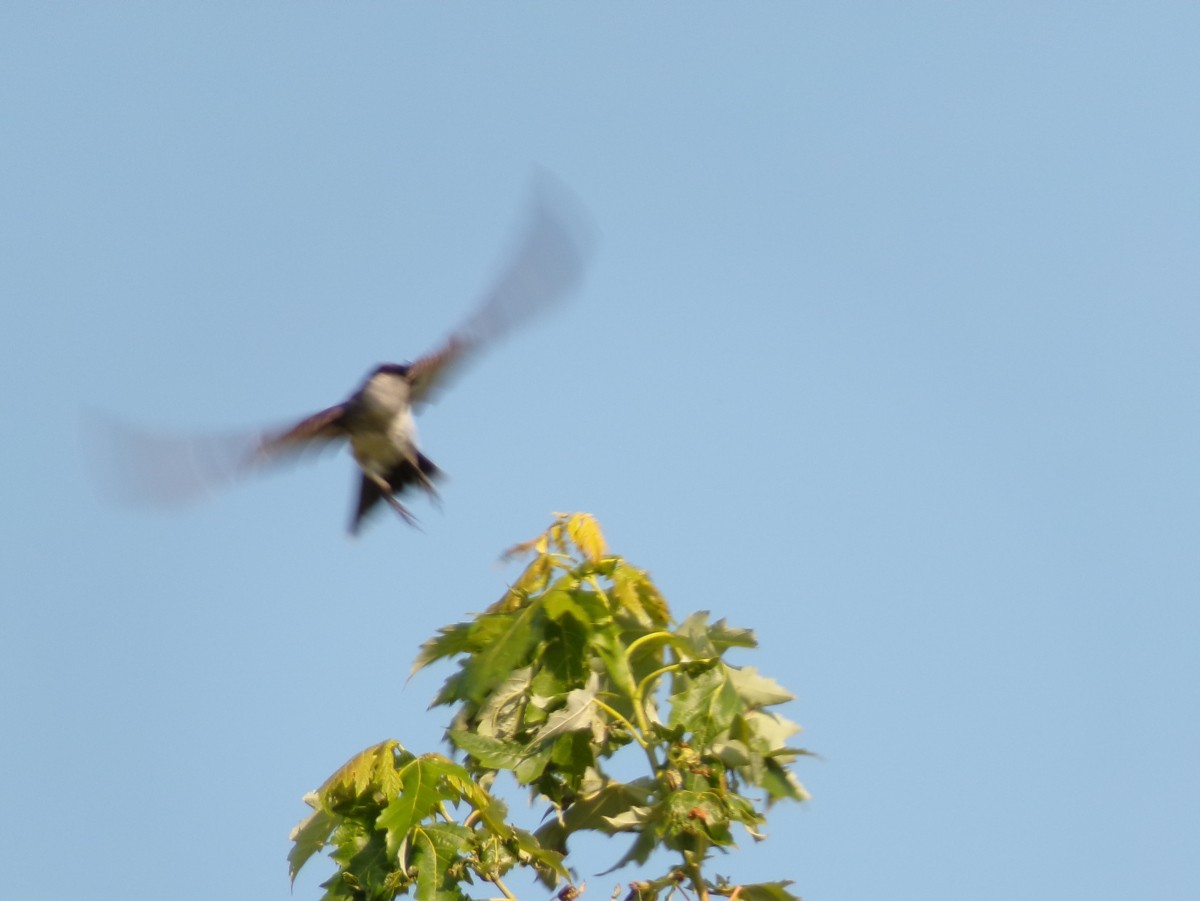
pixel 543 265
pixel 134 467
pixel 562 222
pixel 557 200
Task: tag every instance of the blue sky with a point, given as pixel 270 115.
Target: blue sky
pixel 888 351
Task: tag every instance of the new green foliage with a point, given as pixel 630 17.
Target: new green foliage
pixel 577 662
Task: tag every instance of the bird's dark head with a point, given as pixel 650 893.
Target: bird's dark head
pixel 400 369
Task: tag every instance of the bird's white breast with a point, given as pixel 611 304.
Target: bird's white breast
pixel 385 394
pixel 387 432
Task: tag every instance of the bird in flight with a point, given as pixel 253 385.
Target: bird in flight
pixel 377 420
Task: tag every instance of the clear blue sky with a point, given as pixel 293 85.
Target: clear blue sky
pixel 889 351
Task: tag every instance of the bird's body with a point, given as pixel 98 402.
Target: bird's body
pixel 377 420
pixel 378 423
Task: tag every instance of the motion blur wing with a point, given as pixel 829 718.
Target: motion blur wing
pixel 317 430
pixel 140 467
pixel 143 467
pixel 546 263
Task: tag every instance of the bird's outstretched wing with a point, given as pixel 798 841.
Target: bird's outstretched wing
pixel 313 431
pixel 545 265
pixel 547 262
pixel 140 467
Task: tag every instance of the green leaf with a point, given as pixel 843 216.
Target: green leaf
pixel 362 855
pixel 767 891
pixel 691 639
pixel 450 839
pixel 638 597
pixel 585 533
pixel 725 636
pixel 500 715
pixel 769 731
pixel 780 783
pixel 578 603
pixel 740 808
pixel 531 767
pixel 450 640
pixel 578 714
pixel 444 768
pixel 534 578
pixel 706 705
pixel 635 819
pixel 597 812
pixel 593 606
pixel 612 651
pixel 435 848
pixel 639 852
pixel 573 755
pixel 369 774
pixel 756 750
pixel 756 690
pixel 419 795
pixel 565 650
pixel 492 811
pixel 512 636
pixel 309 837
pixel 545 691
pixel 542 858
pixel 698 813
pixel 732 753
pixel 489 752
pixel 451 690
pixel 431 866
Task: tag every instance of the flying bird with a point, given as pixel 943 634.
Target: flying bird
pixel 377 420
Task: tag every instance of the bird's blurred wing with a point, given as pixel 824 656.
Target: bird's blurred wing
pixel 546 264
pixel 139 467
pixel 312 432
